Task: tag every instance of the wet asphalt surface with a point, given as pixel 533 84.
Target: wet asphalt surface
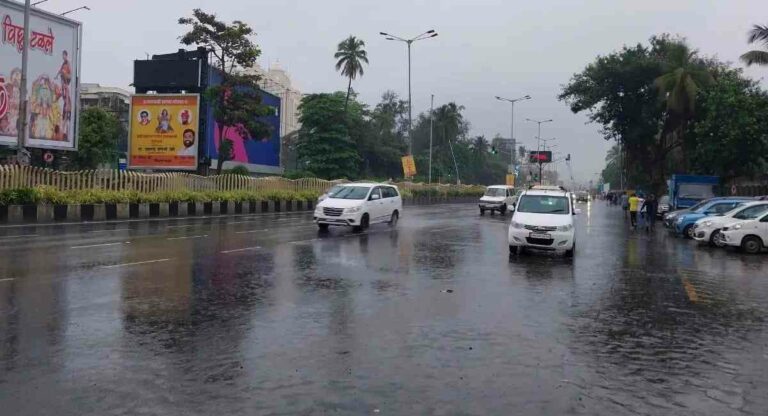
pixel 263 315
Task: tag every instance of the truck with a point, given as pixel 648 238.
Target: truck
pixel 686 191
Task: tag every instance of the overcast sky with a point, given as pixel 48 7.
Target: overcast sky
pixel 485 48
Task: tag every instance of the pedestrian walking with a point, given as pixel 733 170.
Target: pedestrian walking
pixel 632 203
pixel 625 203
pixel 641 213
pixel 651 206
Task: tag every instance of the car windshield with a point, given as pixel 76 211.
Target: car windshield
pixel 543 204
pixel 334 189
pixel 495 192
pixel 351 192
pixel 697 206
pixel 749 213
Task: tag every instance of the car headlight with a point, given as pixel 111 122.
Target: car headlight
pixel 706 223
pixel 680 220
pixel 567 227
pixel 737 227
pixel 352 210
pixel 517 225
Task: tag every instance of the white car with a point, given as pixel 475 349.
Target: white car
pixel 750 235
pixel 358 205
pixel 707 230
pixel 497 198
pixel 543 220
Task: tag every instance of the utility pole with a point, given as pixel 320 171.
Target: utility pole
pixel 538 142
pixel 21 151
pixel 431 119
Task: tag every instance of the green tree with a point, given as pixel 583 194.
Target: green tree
pixel 351 55
pixel 324 144
pixel 97 139
pixel 236 102
pixel 758 34
pixel 383 140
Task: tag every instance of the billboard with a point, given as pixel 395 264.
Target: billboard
pixel 258 154
pixel 164 131
pixel 409 166
pixel 52 82
pixel 540 157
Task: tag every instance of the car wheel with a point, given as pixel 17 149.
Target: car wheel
pixel 715 239
pixel 322 227
pixel 514 250
pixel 365 222
pixel 482 211
pixel 688 231
pixel 751 244
pixel 569 253
pixel 394 219
pixel 503 210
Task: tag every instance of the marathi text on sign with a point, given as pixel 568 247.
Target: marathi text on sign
pixel 14 35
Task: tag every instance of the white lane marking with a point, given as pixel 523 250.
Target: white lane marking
pixel 237 250
pixel 102 245
pixel 444 229
pixel 237 222
pixel 187 237
pixel 306 241
pixel 251 231
pixel 183 226
pixel 7 280
pixel 9 237
pixel 107 231
pixel 134 263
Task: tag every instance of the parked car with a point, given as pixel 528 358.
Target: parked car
pixel 333 190
pixel 358 205
pixel 543 220
pixel 708 230
pixel 684 223
pixel 750 235
pixel 663 206
pixel 671 217
pixel 497 198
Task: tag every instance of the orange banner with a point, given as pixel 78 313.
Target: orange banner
pixel 164 131
pixel 409 166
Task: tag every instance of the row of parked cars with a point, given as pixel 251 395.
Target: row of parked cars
pixel 740 222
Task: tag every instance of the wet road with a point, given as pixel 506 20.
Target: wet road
pixel 263 315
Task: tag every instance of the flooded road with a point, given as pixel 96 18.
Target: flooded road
pixel 264 315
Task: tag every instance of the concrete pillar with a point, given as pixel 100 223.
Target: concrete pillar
pixel 183 209
pixel 73 213
pixel 270 206
pixel 216 208
pixel 122 211
pixel 99 212
pixel 15 214
pixel 44 213
pixel 144 210
pixel 164 210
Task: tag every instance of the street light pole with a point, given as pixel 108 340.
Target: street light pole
pixel 538 143
pixel 426 35
pixel 21 151
pixel 512 126
pixel 431 118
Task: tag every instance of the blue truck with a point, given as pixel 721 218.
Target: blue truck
pixel 686 191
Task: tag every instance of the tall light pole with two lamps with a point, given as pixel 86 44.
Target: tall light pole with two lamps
pixel 538 137
pixel 512 126
pixel 426 35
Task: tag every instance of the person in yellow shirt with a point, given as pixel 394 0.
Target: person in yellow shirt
pixel 634 203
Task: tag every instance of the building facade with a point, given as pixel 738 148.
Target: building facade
pixel 116 101
pixel 277 81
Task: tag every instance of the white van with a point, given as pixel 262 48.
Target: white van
pixel 543 220
pixel 358 205
pixel 498 198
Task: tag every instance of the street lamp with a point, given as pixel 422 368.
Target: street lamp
pixel 538 145
pixel 512 124
pixel 426 35
pixel 74 10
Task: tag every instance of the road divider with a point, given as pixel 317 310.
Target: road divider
pixel 101 245
pixel 136 263
pixel 238 250
pixel 189 237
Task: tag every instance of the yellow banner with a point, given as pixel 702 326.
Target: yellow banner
pixel 164 131
pixel 409 166
pixel 510 179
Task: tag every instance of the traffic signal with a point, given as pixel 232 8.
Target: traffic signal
pixel 494 151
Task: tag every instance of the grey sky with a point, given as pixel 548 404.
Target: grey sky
pixel 485 48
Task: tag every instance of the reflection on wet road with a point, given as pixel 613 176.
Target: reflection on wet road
pixel 263 315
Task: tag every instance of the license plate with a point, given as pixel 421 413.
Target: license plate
pixel 541 236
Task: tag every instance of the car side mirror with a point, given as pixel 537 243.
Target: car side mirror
pixel 375 197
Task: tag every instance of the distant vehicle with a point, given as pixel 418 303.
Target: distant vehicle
pixel 358 205
pixel 543 220
pixel 663 206
pixel 708 230
pixel 333 190
pixel 684 223
pixel 497 198
pixel 750 235
pixel 686 191
pixel 583 196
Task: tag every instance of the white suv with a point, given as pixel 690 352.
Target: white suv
pixel 543 220
pixel 750 235
pixel 497 198
pixel 707 230
pixel 359 205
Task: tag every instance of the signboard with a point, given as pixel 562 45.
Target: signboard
pixel 52 82
pixel 164 131
pixel 540 156
pixel 409 166
pixel 606 188
pixel 510 180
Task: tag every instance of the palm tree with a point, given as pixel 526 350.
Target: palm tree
pixel 684 76
pixel 757 57
pixel 351 56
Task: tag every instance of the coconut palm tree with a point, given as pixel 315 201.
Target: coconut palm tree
pixel 351 55
pixel 758 34
pixel 684 75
